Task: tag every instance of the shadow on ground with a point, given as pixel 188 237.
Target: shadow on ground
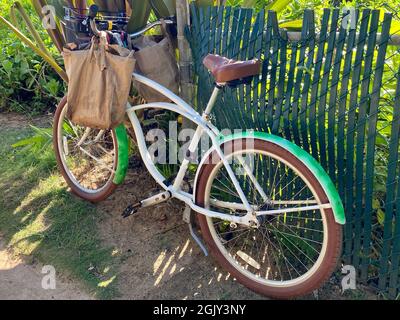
pixel 158 258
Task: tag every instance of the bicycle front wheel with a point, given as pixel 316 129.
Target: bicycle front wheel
pixel 291 253
pixel 87 158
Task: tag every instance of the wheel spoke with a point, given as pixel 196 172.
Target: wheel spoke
pixel 87 155
pixel 286 245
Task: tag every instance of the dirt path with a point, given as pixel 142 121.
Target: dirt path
pixel 11 120
pixel 22 281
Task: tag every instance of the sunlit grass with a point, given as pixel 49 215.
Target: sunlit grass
pixel 41 219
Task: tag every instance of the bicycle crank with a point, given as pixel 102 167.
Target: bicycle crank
pixel 156 199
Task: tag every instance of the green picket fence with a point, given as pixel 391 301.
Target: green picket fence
pixel 334 92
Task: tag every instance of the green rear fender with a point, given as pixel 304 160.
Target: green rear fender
pixel 308 160
pixel 123 154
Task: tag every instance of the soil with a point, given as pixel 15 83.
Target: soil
pixel 11 120
pixel 20 280
pixel 159 258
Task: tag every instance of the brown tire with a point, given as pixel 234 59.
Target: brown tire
pixel 94 197
pixel 334 230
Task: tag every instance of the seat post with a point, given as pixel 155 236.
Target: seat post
pixel 211 102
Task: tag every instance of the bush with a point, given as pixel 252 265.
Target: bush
pixel 28 84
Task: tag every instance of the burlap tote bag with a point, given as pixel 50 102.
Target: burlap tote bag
pixel 156 60
pixel 99 83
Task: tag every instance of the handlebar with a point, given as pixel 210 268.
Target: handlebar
pixel 151 26
pixel 94 9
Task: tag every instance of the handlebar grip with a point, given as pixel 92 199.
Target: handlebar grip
pixel 93 10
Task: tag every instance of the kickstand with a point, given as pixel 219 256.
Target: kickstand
pixel 188 217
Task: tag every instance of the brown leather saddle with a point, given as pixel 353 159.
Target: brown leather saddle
pixel 227 70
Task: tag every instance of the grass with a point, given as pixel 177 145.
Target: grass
pixel 40 219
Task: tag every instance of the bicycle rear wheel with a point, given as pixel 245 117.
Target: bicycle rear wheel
pixel 87 158
pixel 291 253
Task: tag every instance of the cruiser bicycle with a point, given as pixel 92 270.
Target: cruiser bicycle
pixel 268 213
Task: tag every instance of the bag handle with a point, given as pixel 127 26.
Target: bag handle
pixel 98 50
pixel 167 35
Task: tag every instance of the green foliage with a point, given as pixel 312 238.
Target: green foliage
pixel 27 84
pixel 37 143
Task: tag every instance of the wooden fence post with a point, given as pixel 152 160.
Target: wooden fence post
pixel 185 56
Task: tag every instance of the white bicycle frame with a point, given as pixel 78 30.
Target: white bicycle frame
pixel 203 126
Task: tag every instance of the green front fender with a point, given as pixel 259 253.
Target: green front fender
pixel 307 159
pixel 123 154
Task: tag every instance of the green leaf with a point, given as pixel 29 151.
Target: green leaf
pixel 163 8
pixel 278 5
pixel 28 141
pixel 68 129
pixel 249 3
pixel 24 67
pixel 295 24
pixel 395 27
pixel 149 122
pixel 204 3
pixel 52 87
pixel 7 65
pixel 140 14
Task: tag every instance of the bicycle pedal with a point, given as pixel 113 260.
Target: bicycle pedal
pixel 131 210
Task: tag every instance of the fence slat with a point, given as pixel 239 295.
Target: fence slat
pixel 218 32
pixel 245 90
pixel 281 84
pixel 342 120
pixel 267 35
pixel 333 104
pixel 324 90
pixel 226 31
pixel 299 78
pixel 225 47
pixel 273 67
pixel 236 94
pixel 257 81
pixel 289 92
pixel 373 118
pixel 251 92
pixel 360 132
pixel 352 122
pixel 331 107
pixel 315 83
pixel 391 184
pixel 307 79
